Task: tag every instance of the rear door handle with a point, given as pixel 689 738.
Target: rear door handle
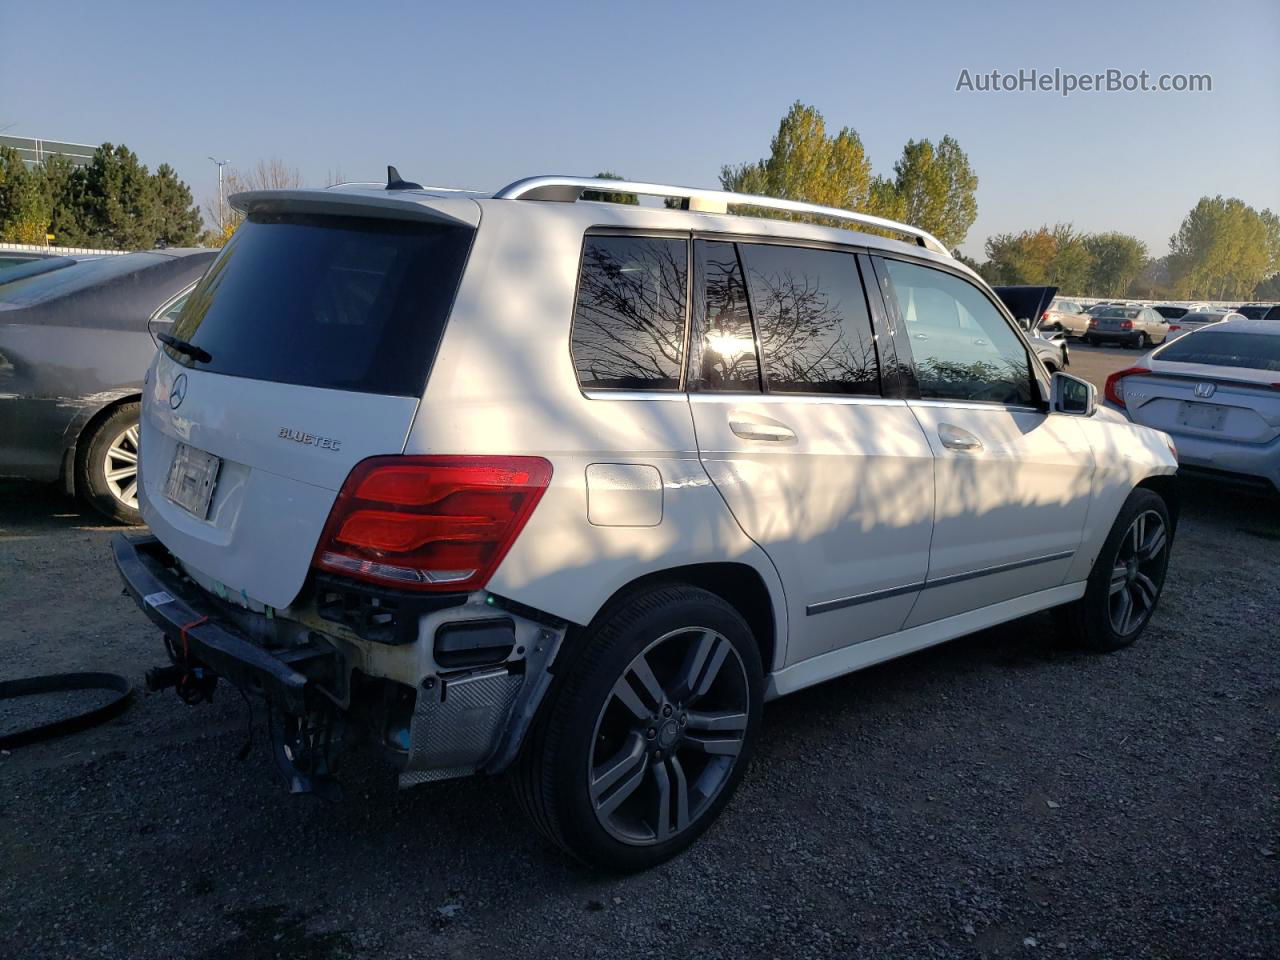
pixel 761 430
pixel 954 438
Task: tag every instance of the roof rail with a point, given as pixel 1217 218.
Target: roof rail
pixel 570 189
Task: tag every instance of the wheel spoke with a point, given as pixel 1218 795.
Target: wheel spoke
pixel 1119 577
pixel 716 746
pixel 130 494
pixel 719 652
pixel 717 720
pixel 1138 530
pixel 1144 591
pixel 132 434
pixel 1120 618
pixel 662 826
pixel 680 785
pixel 120 453
pixel 694 661
pixel 627 693
pixel 1155 545
pixel 121 472
pixel 622 763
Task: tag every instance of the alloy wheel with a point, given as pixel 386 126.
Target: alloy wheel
pixel 1137 573
pixel 120 467
pixel 668 736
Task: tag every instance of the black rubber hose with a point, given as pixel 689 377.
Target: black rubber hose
pixel 59 683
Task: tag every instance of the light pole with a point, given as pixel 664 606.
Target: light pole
pixel 221 203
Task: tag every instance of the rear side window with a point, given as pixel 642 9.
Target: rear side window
pixel 964 349
pixel 811 316
pixel 345 303
pixel 1225 348
pixel 628 326
pixel 728 348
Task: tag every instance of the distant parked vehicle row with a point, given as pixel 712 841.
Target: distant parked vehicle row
pixel 1216 391
pixel 74 347
pixel 1260 311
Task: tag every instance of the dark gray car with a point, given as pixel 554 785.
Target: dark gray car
pixel 74 347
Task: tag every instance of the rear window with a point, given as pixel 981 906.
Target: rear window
pixel 1123 313
pixel 1253 313
pixel 1223 348
pixel 345 303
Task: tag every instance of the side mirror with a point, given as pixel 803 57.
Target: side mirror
pixel 1072 395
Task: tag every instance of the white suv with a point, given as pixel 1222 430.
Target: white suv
pixel 522 481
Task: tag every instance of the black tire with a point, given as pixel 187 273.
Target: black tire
pixel 1050 367
pixel 1092 341
pixel 1089 621
pixel 551 777
pixel 92 465
pixel 1142 342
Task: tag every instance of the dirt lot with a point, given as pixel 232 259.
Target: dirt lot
pixel 1002 795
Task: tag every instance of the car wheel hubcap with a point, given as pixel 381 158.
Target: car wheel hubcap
pixel 1137 573
pixel 120 467
pixel 668 736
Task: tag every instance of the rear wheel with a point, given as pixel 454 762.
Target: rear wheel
pixel 649 733
pixel 1127 578
pixel 1143 341
pixel 1092 341
pixel 107 466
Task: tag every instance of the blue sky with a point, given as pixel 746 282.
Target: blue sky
pixel 479 94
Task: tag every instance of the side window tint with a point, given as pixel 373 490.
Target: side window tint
pixel 815 334
pixel 175 308
pixel 963 348
pixel 628 328
pixel 728 341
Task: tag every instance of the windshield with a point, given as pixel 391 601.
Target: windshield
pixel 345 303
pixel 1225 348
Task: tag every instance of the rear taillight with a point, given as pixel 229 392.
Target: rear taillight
pixel 1093 321
pixel 1174 326
pixel 430 523
pixel 1114 389
pixel 1044 317
pixel 1126 325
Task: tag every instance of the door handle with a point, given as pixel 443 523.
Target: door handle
pixel 953 438
pixel 752 430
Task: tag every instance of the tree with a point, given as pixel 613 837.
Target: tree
pixel 806 164
pixel 272 174
pixel 1056 256
pixel 178 221
pixel 24 209
pixel 1117 260
pixel 118 207
pixel 1223 249
pixel 605 197
pixel 933 188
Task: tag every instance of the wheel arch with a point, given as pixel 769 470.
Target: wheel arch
pixel 1165 486
pixel 80 431
pixel 739 584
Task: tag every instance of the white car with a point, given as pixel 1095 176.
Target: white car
pixel 518 480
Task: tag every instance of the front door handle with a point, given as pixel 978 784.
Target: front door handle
pixel 761 430
pixel 954 438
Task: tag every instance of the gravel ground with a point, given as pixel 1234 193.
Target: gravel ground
pixel 1001 795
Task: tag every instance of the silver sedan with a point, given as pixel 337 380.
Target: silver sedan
pixel 1216 391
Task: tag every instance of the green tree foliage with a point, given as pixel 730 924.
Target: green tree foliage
pixel 933 188
pixel 1223 249
pixel 806 164
pixel 1117 260
pixel 1054 255
pixel 114 202
pixel 605 197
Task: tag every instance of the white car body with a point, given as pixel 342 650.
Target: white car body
pixel 857 528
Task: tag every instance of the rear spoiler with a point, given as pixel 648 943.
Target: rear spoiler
pixel 458 212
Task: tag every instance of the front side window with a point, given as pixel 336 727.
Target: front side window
pixel 964 349
pixel 728 347
pixel 628 327
pixel 815 333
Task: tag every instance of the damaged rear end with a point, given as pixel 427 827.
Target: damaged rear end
pixel 298 554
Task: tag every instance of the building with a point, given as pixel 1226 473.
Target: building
pixel 33 150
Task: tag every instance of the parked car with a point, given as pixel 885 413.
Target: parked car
pixel 1197 319
pixel 1215 391
pixel 35 266
pixel 10 258
pixel 1260 311
pixel 1027 304
pixel 523 481
pixel 74 347
pixel 1066 316
pixel 1129 326
pixel 1169 311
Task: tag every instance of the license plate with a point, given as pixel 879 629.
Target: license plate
pixel 1202 416
pixel 192 477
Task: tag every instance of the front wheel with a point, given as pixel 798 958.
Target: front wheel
pixel 1127 578
pixel 649 732
pixel 107 465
